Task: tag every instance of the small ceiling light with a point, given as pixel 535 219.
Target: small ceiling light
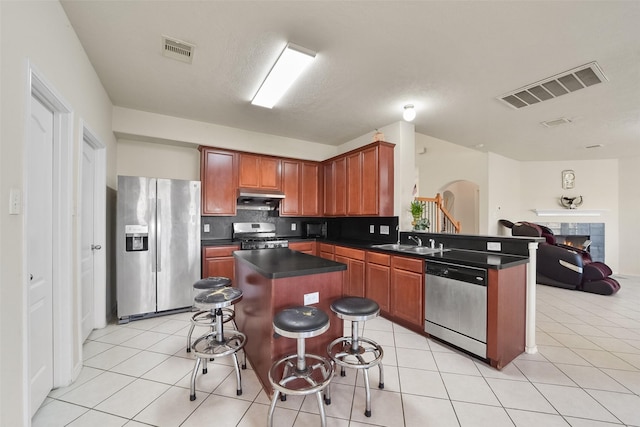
pixel 409 113
pixel 290 64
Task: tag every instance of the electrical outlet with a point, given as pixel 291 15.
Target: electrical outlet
pixel 15 202
pixel 384 229
pixel 494 246
pixel 372 229
pixel 312 298
pixel 293 226
pixel 207 228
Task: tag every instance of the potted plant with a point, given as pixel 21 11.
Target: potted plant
pixel 417 209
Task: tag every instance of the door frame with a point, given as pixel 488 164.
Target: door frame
pixel 99 230
pixel 64 369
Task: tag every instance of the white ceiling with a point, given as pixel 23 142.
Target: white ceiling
pixel 449 58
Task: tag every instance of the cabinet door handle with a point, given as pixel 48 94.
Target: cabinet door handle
pixel 96 247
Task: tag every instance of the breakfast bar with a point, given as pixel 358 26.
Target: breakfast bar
pixel 274 279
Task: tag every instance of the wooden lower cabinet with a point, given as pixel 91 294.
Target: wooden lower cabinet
pixel 304 247
pixel 378 280
pixel 506 315
pixel 326 251
pixel 353 280
pixel 219 261
pixel 407 290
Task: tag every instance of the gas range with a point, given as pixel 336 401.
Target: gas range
pixel 257 235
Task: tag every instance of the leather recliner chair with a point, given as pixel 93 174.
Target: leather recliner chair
pixel 565 266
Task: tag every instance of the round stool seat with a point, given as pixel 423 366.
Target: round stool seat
pixel 212 283
pixel 301 322
pixel 355 308
pixel 217 298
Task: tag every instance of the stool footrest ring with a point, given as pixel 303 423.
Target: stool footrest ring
pixel 207 346
pixel 340 349
pixel 310 384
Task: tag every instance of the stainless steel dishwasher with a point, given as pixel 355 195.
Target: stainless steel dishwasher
pixel 456 305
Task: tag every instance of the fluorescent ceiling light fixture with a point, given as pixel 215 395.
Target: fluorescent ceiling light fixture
pixel 290 64
pixel 409 112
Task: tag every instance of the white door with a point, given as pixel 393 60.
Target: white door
pixel 39 225
pixel 87 239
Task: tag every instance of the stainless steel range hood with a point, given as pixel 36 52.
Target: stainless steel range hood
pixel 259 200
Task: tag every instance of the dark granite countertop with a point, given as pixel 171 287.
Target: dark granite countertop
pixel 282 262
pixel 218 242
pixel 471 258
pixel 495 261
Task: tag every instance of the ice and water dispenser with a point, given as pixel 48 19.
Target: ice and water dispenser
pixel 136 238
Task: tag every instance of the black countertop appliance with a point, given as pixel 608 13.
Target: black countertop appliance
pixel 314 229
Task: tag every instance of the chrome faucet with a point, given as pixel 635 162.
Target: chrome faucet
pixel 416 239
pixel 432 243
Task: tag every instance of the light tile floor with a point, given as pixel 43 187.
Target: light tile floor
pixel 586 373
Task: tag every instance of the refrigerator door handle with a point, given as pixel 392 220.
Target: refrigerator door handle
pixel 159 235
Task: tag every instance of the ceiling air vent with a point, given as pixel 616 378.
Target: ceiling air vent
pixel 555 122
pixel 177 49
pixel 570 81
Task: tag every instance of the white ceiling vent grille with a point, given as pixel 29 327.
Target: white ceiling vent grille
pixel 570 81
pixel 555 122
pixel 177 49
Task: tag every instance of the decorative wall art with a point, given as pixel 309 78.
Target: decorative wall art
pixel 568 179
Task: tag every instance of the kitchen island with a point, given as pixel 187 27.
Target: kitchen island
pixel 274 279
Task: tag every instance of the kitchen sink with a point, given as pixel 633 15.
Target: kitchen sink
pixel 420 250
pixel 394 247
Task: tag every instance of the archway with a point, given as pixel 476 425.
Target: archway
pixel 462 200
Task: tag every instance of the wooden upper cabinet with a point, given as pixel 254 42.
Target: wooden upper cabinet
pixel 370 185
pixel 335 187
pixel 291 188
pixel 310 189
pixel 354 184
pixel 259 172
pixel 218 173
pixel 329 195
pixel 301 186
pixel 360 182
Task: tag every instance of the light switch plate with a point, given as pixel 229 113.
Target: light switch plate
pixel 494 246
pixel 312 298
pixel 372 229
pixel 384 229
pixel 207 228
pixel 293 226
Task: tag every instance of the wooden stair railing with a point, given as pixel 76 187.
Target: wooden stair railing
pixel 440 219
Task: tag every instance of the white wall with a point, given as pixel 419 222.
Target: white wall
pixel 629 212
pixel 465 205
pixel 445 163
pixel 157 160
pixel 39 32
pixel 596 181
pixel 504 201
pixel 139 125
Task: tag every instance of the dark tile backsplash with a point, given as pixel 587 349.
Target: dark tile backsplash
pixel 349 228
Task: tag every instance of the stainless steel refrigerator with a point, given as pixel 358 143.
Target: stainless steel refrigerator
pixel 157 244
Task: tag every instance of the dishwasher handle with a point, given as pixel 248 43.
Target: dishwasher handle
pixel 473 275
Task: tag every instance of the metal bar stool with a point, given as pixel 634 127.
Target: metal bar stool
pixel 349 352
pixel 207 318
pixel 298 377
pixel 218 343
